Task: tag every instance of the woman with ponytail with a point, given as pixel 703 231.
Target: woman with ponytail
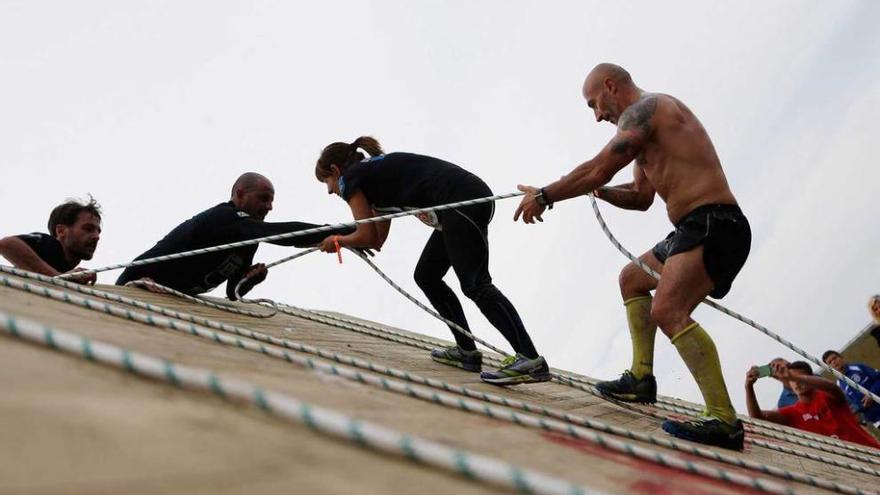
pixel 372 182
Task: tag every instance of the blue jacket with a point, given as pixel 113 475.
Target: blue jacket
pixel 867 377
pixel 786 398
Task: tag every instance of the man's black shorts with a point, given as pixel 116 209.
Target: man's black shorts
pixel 724 232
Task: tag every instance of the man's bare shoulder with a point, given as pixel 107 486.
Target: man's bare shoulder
pixel 639 115
pixel 653 111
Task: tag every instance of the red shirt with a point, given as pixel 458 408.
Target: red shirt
pixel 829 417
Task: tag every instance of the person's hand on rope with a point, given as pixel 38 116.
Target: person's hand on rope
pixel 528 206
pixel 752 376
pixel 85 278
pixel 867 402
pixel 256 274
pixel 329 244
pixel 149 284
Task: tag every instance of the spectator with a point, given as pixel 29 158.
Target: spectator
pixel 74 231
pixel 787 397
pixel 821 407
pixel 865 376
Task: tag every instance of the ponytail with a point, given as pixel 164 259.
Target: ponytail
pixel 344 154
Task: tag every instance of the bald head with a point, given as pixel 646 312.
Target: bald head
pixel 605 72
pixel 254 194
pixel 609 90
pixel 249 181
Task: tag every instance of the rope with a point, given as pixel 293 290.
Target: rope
pixel 155 287
pixel 786 434
pixel 769 429
pixel 748 321
pixel 151 285
pixel 270 265
pixel 277 350
pixel 326 421
pixel 456 327
pixel 571 381
pixel 290 235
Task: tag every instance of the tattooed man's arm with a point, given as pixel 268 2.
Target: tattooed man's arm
pixel 634 130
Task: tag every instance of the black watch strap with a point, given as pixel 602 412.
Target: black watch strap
pixel 541 199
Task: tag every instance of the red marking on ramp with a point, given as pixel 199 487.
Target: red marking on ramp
pixel 649 477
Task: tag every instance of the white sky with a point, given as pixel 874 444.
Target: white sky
pixel 156 107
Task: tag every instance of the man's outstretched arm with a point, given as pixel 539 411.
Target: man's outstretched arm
pixel 22 256
pixel 252 228
pixel 822 384
pixel 634 130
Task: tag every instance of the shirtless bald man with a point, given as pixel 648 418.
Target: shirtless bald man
pixel 675 159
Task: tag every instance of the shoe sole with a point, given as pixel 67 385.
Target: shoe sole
pixel 685 435
pixel 633 398
pixel 519 380
pixel 458 364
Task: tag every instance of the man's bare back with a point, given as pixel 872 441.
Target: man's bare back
pixel 678 158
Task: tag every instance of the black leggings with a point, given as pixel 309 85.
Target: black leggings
pixel 463 244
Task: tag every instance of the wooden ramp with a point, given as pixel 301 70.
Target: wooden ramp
pixel 68 425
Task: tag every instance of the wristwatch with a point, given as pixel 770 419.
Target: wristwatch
pixel 541 199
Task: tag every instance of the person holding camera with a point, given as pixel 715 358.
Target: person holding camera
pixel 821 406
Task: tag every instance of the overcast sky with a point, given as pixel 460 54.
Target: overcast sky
pixel 156 107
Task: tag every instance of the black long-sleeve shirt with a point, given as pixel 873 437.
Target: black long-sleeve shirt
pixel 49 249
pixel 221 224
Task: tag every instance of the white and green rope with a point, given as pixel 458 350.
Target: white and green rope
pixel 326 421
pixel 280 353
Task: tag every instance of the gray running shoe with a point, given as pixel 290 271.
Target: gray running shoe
pixel 628 388
pixel 518 369
pixel 458 357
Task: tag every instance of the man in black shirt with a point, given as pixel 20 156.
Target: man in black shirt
pixel 74 231
pixel 237 220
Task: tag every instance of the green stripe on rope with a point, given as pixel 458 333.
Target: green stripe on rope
pixel 519 481
pixel 354 432
pixel 126 362
pixel 214 383
pixel 407 448
pixel 13 328
pixel 87 349
pixel 260 400
pixel 170 374
pixel 306 412
pixel 461 463
pixel 49 336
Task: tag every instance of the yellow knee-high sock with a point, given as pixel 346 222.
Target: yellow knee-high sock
pixel 698 352
pixel 642 330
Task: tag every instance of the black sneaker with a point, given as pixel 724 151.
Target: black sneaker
pixel 709 431
pixel 458 357
pixel 518 369
pixel 628 388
